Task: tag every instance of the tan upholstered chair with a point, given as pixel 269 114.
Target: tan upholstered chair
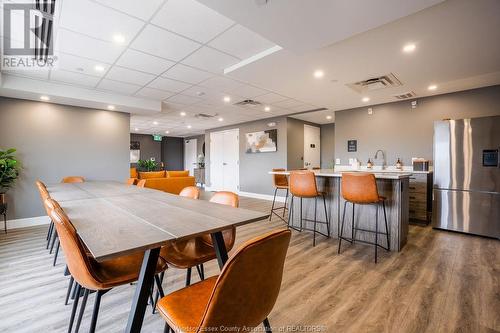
pixel 73 179
pixel 360 188
pixel 242 295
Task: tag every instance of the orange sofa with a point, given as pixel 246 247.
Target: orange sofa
pixel 167 181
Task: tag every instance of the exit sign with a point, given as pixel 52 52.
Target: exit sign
pixel 156 137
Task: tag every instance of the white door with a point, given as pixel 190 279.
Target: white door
pixel 190 155
pixel 224 161
pixel 312 149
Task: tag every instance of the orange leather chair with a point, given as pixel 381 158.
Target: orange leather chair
pixel 73 179
pixel 131 181
pixel 360 188
pixel 280 182
pixel 90 274
pixel 44 194
pixel 141 183
pixel 303 185
pixel 190 192
pixel 242 296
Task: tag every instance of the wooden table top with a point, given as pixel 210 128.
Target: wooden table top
pixel 114 219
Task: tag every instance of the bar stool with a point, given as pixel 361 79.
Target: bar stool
pixel 361 188
pixel 280 183
pixel 303 185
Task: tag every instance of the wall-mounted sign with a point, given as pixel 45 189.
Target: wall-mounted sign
pixel 157 137
pixel 352 145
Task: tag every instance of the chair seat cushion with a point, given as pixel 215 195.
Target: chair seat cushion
pixel 187 253
pixel 183 309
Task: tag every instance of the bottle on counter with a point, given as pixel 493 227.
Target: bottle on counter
pixel 399 165
pixel 369 164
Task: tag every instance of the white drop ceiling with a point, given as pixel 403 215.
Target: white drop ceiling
pixel 174 53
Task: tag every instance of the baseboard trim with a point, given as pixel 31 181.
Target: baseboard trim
pixel 24 223
pixel 261 196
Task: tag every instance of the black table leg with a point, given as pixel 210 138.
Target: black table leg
pixel 144 284
pixel 220 248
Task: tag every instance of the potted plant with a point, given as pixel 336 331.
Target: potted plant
pixel 9 171
pixel 147 165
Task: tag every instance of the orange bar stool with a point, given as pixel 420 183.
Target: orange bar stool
pixel 303 186
pixel 241 297
pixel 360 188
pixel 280 183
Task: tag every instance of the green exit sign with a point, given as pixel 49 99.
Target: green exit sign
pixel 157 137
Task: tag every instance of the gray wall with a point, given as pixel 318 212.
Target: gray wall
pixel 327 146
pixel 172 152
pixel 405 132
pixel 295 143
pixel 149 147
pixel 254 168
pixel 54 141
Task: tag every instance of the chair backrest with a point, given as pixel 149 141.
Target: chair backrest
pixel 190 192
pixel 280 180
pixel 76 258
pixel 249 284
pixel 303 184
pixel 73 179
pixel 141 183
pixel 131 181
pixel 359 187
pixel 229 199
pixel 40 184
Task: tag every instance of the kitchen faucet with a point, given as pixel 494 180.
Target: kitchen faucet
pixel 383 158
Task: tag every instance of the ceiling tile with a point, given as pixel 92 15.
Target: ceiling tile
pixel 119 87
pixel 210 60
pixel 187 74
pixel 248 91
pixel 183 99
pixel 74 78
pixel 271 98
pixel 168 85
pixel 98 21
pixel 221 83
pixel 241 42
pixel 289 103
pixel 154 93
pixel 302 107
pixel 164 44
pixel 191 19
pixel 87 47
pixel 141 9
pixel 144 62
pixel 80 65
pixel 128 75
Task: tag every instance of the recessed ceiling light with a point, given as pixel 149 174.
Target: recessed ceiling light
pixel 119 39
pixel 221 119
pixel 432 87
pixel 166 132
pixel 99 68
pixel 188 126
pixel 267 108
pixel 227 99
pixel 45 98
pixel 136 129
pixel 182 114
pixel 329 117
pixel 409 48
pixel 318 74
pixel 365 99
pixel 111 107
pixel 200 93
pixel 155 123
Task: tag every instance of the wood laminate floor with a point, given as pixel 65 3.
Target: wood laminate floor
pixel 440 282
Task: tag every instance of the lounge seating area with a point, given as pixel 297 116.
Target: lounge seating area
pixel 168 181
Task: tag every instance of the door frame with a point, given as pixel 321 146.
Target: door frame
pixel 187 141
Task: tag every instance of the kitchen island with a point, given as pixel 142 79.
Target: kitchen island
pixel 394 186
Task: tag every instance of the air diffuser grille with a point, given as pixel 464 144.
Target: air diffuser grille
pixel 406 95
pixel 247 102
pixel 375 83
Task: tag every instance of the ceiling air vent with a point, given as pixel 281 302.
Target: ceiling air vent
pixel 205 116
pixel 406 95
pixel 375 83
pixel 247 102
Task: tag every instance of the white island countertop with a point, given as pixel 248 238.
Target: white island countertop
pixel 379 174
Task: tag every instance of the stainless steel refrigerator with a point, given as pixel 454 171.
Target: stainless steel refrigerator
pixel 467 176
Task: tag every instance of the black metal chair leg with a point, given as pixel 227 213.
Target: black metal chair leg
pixel 202 268
pixel 70 285
pixel 386 228
pixel 326 217
pixel 97 303
pixel 159 283
pixel 286 199
pixel 200 273
pixel 49 232
pixel 353 231
pixel 188 277
pixel 376 233
pixel 75 306
pixel 301 214
pixel 54 236
pixel 82 309
pixel 267 326
pixel 5 222
pixel 272 206
pixel 166 329
pixel 341 231
pixel 290 212
pixel 315 212
pixel 57 252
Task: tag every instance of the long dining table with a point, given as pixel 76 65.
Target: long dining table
pixel 114 219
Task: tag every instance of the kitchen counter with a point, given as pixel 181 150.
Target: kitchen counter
pixel 393 185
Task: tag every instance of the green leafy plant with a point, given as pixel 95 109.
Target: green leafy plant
pixel 148 165
pixel 9 169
